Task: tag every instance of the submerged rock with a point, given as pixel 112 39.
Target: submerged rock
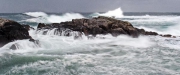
pixel 168 36
pixel 98 25
pixel 11 30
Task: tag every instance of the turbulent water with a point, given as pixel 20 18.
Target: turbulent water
pixel 103 55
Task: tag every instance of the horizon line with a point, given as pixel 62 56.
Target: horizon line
pixel 82 12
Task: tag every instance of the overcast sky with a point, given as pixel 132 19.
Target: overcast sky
pixel 17 6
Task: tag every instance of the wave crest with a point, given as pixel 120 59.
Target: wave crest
pixel 117 13
pixel 46 18
pixel 36 14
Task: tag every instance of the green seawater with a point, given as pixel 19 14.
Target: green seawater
pixel 103 55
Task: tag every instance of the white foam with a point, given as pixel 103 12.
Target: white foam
pixel 117 13
pixel 174 30
pixel 52 41
pixel 171 22
pixel 46 18
pixel 36 14
pixel 154 18
pixel 102 55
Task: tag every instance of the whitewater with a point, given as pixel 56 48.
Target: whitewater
pixel 101 55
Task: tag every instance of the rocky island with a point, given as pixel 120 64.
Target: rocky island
pixel 11 30
pixel 98 25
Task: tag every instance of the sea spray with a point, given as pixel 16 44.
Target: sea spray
pixel 42 17
pixel 103 55
pixel 36 14
pixel 53 41
pixel 117 13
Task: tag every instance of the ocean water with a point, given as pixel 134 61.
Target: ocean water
pixel 103 55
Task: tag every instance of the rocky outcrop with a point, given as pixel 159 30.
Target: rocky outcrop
pixel 11 30
pixel 97 25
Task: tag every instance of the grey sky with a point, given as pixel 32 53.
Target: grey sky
pixel 16 6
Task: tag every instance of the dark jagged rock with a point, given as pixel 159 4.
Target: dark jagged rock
pixel 98 25
pixel 41 25
pixel 13 47
pixel 150 33
pixel 28 27
pixel 11 30
pixel 168 36
pixel 117 31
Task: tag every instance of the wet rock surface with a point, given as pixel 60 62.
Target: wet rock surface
pixel 98 25
pixel 11 31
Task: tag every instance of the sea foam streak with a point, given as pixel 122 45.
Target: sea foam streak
pixel 46 18
pixel 161 24
pixel 122 55
pixel 51 42
pixel 117 13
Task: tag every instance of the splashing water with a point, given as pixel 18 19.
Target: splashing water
pixel 117 13
pixel 101 55
pixel 36 14
pixel 45 18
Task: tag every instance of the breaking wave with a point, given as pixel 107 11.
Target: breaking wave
pixel 103 54
pixel 117 13
pixel 64 55
pixel 41 17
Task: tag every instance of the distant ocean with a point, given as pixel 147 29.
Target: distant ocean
pixel 122 55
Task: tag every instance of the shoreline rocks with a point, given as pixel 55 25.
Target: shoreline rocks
pixel 97 25
pixel 11 31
